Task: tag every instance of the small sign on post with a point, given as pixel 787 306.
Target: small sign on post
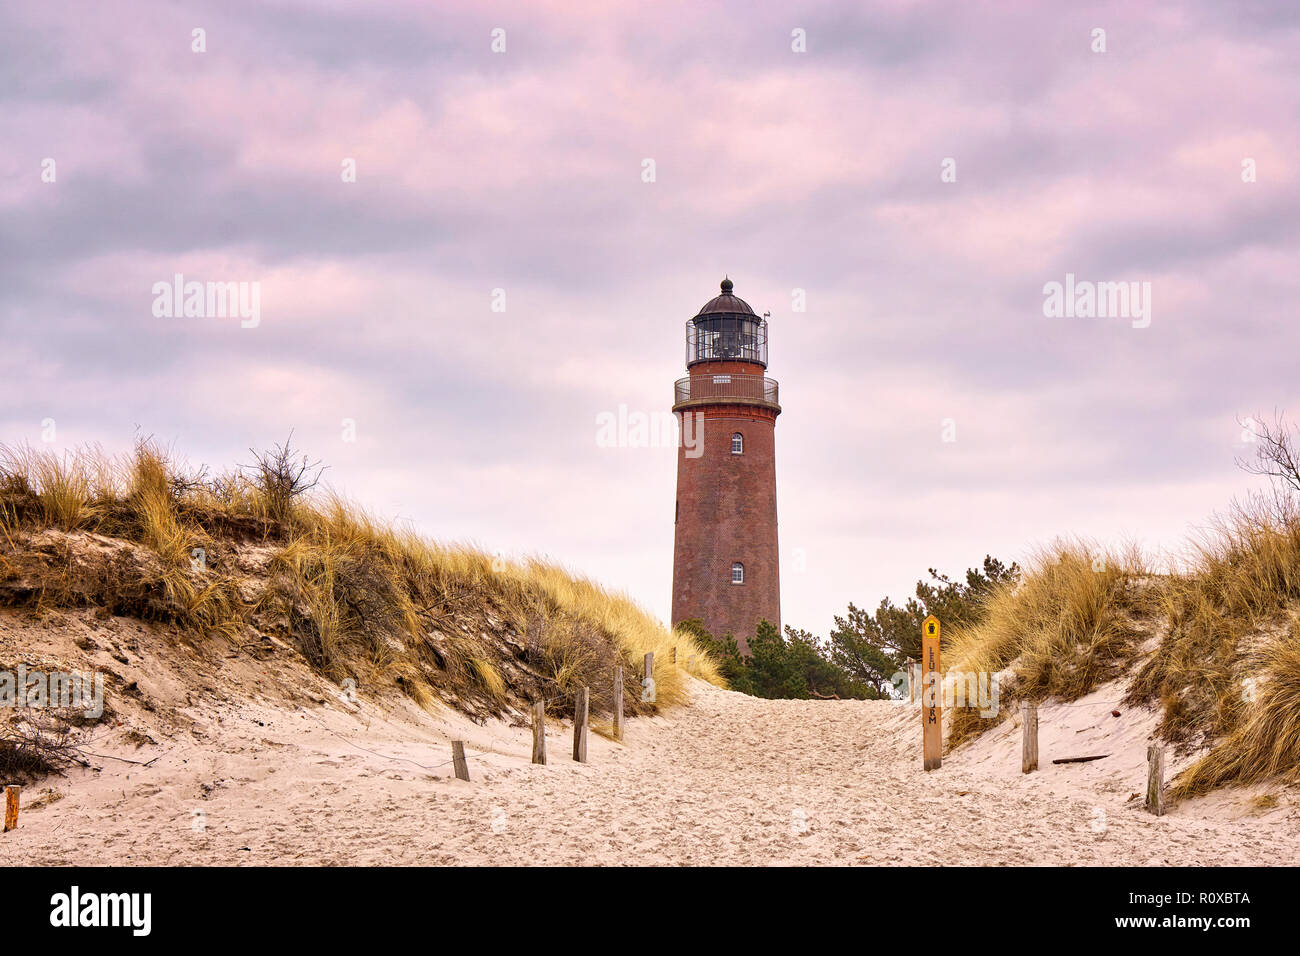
pixel 931 701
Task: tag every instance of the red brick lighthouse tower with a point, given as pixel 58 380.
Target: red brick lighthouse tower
pixel 725 557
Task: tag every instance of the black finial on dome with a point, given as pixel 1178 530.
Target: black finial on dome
pixel 727 286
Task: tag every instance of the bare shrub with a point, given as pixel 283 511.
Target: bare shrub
pixel 281 475
pixel 1276 457
pixel 36 746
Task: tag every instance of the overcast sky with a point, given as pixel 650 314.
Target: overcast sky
pixel 524 171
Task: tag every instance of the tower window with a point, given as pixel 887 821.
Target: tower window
pixel 737 444
pixel 737 573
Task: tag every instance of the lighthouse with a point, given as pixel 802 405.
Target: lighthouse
pixel 725 564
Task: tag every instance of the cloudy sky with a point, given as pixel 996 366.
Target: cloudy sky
pixel 819 170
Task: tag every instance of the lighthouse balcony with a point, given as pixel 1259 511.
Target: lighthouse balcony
pixel 727 389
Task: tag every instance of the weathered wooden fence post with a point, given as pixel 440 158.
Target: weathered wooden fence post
pixel 1156 779
pixel 674 655
pixel 648 679
pixel 931 699
pixel 11 806
pixel 1029 743
pixel 618 703
pixel 580 726
pixel 913 680
pixel 458 759
pixel 539 731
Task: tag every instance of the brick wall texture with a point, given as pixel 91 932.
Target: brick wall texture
pixel 726 512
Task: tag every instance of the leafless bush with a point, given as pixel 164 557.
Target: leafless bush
pixel 281 475
pixel 1277 452
pixel 36 746
pixel 189 483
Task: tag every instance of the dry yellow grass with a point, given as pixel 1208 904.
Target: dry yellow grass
pixel 1225 665
pixel 1244 575
pixel 360 598
pixel 1228 673
pixel 366 600
pixel 64 485
pixel 1070 623
pixel 352 566
pixel 1264 742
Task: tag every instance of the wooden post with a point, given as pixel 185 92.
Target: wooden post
pixel 674 655
pixel 11 806
pixel 618 703
pixel 931 698
pixel 458 758
pixel 539 732
pixel 650 664
pixel 1029 741
pixel 1156 779
pixel 913 680
pixel 580 726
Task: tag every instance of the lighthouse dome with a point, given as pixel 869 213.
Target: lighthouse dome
pixel 728 303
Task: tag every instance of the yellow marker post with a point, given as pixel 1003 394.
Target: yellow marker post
pixel 931 698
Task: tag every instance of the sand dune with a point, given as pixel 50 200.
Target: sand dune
pixel 267 764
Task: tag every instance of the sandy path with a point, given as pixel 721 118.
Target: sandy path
pixel 727 780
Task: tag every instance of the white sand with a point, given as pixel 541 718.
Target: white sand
pixel 727 780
